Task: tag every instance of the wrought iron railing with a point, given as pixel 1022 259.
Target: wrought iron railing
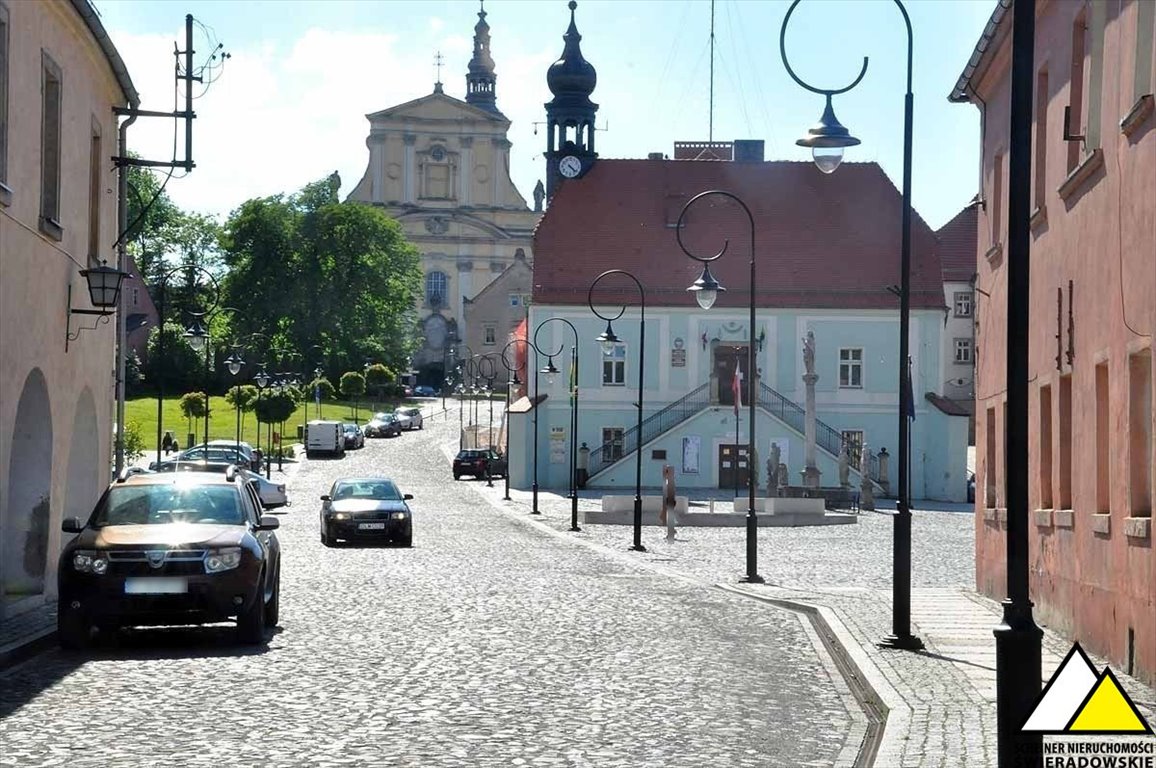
pixel 653 425
pixel 826 437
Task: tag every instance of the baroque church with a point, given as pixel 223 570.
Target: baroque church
pixel 441 167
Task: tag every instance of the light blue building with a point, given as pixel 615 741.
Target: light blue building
pixel 826 254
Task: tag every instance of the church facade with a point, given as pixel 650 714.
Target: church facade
pixel 440 166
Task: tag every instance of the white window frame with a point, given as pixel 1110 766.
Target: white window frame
pixel 963 304
pixel 614 367
pixel 430 278
pixel 963 344
pixel 854 438
pixel 489 334
pixel 850 362
pixel 612 437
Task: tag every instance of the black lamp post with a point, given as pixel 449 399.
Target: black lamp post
pixel 214 294
pixel 827 140
pixel 235 363
pixel 200 337
pixel 608 339
pixel 511 382
pixel 261 381
pixel 706 290
pixel 552 373
pixel 488 372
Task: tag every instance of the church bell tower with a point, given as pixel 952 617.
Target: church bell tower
pixel 481 82
pixel 570 114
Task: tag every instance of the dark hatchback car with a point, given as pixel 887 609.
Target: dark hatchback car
pixel 354 437
pixel 383 425
pixel 366 508
pixel 476 461
pixel 171 548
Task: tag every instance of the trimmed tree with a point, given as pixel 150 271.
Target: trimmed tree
pixel 352 387
pixel 193 407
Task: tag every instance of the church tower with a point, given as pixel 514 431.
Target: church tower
pixel 481 82
pixel 570 114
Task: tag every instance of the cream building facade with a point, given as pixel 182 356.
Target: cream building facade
pixel 60 78
pixel 441 167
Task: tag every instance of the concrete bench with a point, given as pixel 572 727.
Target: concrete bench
pixel 649 504
pixel 781 506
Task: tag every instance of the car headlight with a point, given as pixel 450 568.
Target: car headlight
pixel 222 559
pixel 399 515
pixel 281 489
pixel 341 516
pixel 88 561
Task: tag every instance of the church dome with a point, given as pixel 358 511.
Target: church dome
pixel 572 75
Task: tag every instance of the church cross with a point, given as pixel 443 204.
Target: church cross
pixel 438 59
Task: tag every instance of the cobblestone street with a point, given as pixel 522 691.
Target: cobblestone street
pixel 491 642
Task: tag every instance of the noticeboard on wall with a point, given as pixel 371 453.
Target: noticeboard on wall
pixel 691 446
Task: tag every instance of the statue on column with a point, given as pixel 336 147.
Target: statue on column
pixel 784 477
pixel 539 196
pixel 773 469
pixel 866 489
pixel 809 352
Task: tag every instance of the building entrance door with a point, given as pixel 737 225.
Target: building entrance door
pixel 727 359
pixel 733 466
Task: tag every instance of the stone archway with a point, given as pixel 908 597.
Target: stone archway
pixel 24 525
pixel 83 482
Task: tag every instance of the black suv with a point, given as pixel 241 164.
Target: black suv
pixel 171 548
pixel 476 461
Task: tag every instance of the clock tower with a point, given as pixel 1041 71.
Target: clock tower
pixel 570 114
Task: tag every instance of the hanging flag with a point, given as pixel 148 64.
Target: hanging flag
pixel 736 388
pixel 910 392
pixel 573 382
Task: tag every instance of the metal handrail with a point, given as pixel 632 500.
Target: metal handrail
pixel 826 437
pixel 654 425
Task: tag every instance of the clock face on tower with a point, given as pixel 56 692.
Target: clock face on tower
pixel 570 166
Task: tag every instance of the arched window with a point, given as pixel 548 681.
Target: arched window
pixel 436 287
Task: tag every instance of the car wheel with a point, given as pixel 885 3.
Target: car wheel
pixel 326 539
pixel 72 630
pixel 273 607
pixel 457 476
pixel 406 541
pixel 251 622
pixel 421 426
pixel 309 454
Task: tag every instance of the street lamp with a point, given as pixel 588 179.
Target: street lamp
pixel 830 137
pixel 705 289
pixel 511 382
pixel 200 337
pixel 235 363
pixel 215 295
pixel 486 363
pixel 608 340
pixel 261 381
pixel 551 374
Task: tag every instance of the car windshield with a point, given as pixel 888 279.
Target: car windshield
pixel 350 428
pixel 169 503
pixel 381 416
pixel 379 490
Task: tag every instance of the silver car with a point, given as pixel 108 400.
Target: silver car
pixel 410 418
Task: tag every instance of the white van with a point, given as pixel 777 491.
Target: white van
pixel 324 437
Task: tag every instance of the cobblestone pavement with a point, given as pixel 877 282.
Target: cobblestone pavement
pixel 942 699
pixel 489 643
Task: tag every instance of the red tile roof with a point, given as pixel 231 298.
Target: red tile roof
pixel 957 244
pixel 821 241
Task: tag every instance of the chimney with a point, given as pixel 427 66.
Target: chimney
pixel 748 150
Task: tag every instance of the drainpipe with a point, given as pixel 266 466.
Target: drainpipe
pixel 121 259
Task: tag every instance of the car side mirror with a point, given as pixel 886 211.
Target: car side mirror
pixel 72 525
pixel 269 523
pixel 325 497
pixel 407 496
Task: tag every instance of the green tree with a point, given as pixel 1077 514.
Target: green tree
pixel 325 386
pixel 352 386
pixel 193 406
pixel 134 444
pixel 275 407
pixel 378 378
pixel 179 367
pixel 313 270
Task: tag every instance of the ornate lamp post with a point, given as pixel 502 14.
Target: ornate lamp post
pixel 200 337
pixel 827 140
pixel 511 382
pixel 235 363
pixel 486 369
pixel 608 339
pixel 261 381
pixel 551 374
pixel 705 290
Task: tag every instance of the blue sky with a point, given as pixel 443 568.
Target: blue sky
pixel 289 106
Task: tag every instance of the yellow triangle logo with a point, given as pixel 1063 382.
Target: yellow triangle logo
pixel 1108 709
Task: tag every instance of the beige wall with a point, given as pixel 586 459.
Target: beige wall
pixel 470 234
pixel 493 308
pixel 1093 563
pixel 63 451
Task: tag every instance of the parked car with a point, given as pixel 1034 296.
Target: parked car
pixel 324 437
pixel 272 495
pixel 354 437
pixel 365 508
pixel 172 548
pixel 410 418
pixel 474 462
pixel 214 454
pixel 383 425
pixel 423 390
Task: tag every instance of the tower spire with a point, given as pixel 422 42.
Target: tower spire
pixel 481 82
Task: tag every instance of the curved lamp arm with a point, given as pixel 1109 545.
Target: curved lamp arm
pixel 822 91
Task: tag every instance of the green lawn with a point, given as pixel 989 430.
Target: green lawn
pixel 223 419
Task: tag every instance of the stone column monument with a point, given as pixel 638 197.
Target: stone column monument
pixel 811 472
pixel 884 469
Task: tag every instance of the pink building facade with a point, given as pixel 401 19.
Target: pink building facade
pixel 1093 308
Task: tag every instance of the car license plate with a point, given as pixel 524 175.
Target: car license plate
pixel 158 585
pixel 371 526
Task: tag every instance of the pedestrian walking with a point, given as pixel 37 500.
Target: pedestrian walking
pixel 667 516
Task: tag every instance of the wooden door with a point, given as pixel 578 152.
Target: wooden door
pixel 733 466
